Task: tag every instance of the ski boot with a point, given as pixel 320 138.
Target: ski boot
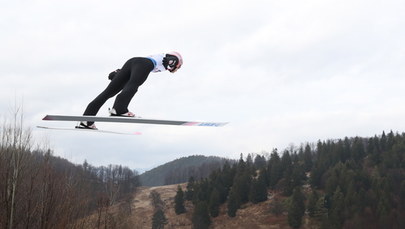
pixel 113 112
pixel 85 125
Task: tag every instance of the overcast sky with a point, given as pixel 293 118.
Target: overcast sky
pixel 281 72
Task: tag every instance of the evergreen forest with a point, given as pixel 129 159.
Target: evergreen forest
pixel 345 183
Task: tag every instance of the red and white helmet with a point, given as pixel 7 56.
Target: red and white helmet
pixel 175 61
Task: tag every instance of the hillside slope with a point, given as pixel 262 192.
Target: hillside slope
pixel 251 216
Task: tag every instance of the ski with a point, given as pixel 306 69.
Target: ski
pixel 130 120
pixel 88 130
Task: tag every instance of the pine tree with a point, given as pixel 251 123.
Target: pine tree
pixel 298 175
pixel 286 161
pixel 333 180
pixel 260 162
pixel 308 158
pixel 249 161
pixel 190 189
pixel 402 195
pixel 352 200
pixel 202 191
pixel 337 207
pixel 384 206
pixel 346 149
pixel 296 209
pixel 274 169
pixel 374 151
pixel 201 218
pixel 316 175
pixel 358 150
pixel 287 183
pixel 179 201
pixel 321 212
pixel 258 190
pixel 253 192
pixel 222 191
pixel 241 185
pixel 227 175
pixel 313 199
pixel 159 220
pixel 214 203
pixel 233 203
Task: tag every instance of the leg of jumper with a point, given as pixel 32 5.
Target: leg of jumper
pixel 140 70
pixel 112 89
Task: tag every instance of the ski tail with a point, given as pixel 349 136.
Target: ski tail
pixel 89 130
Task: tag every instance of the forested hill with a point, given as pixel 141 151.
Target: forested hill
pixel 180 170
pixel 345 183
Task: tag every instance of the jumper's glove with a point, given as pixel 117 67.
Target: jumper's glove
pixel 113 74
pixel 171 63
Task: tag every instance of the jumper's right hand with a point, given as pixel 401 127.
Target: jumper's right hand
pixel 113 74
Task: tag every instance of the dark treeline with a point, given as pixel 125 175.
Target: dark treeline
pixel 346 183
pixel 38 190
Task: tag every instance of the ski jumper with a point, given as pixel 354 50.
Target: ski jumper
pixel 132 75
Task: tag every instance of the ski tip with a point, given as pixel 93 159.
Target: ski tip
pixel 212 124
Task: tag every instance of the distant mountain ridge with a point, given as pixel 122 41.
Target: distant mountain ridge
pixel 180 170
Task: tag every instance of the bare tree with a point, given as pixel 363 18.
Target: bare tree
pixel 15 142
